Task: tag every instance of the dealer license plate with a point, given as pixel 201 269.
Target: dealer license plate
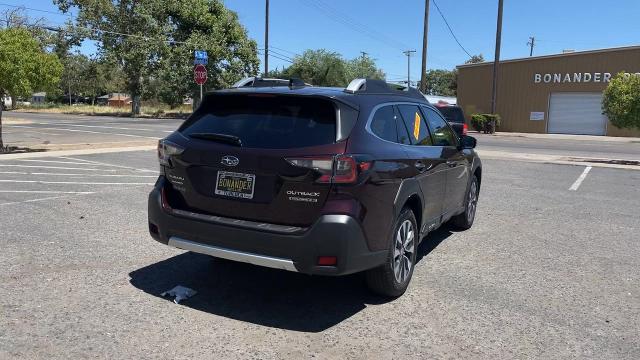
pixel 235 184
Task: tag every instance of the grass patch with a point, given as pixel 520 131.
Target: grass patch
pixel 151 110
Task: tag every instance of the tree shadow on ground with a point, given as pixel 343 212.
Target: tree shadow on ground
pixel 264 296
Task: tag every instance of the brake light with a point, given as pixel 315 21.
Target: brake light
pixel 346 170
pixel 465 129
pixel 339 169
pixel 166 150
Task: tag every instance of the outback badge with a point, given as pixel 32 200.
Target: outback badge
pixel 229 160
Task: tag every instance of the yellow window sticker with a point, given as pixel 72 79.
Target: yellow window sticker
pixel 416 127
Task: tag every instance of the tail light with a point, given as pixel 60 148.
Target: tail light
pixel 340 169
pixel 166 150
pixel 465 129
pixel 323 165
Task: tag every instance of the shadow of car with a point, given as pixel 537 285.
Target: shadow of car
pixel 265 296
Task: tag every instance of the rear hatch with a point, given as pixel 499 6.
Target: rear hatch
pixel 258 157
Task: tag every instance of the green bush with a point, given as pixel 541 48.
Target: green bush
pixel 621 101
pixel 482 122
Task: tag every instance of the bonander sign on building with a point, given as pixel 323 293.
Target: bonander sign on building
pixel 559 94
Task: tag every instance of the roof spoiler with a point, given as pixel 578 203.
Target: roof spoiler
pixel 372 86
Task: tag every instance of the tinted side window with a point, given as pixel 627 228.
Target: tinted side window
pixel 441 132
pixel 384 124
pixel 418 131
pixel 452 113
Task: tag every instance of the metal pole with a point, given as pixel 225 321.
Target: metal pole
pixel 423 77
pixel 408 53
pixel 200 92
pixel 496 61
pixel 266 39
pixel 532 43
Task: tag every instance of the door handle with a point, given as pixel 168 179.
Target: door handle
pixel 451 163
pixel 420 166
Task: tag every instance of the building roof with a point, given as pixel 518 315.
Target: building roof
pixel 574 53
pixel 39 94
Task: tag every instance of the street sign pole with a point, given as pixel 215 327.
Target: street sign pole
pixel 201 58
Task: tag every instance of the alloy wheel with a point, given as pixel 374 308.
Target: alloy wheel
pixel 472 201
pixel 403 251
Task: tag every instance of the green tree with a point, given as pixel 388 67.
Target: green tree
pixel 363 67
pixel 621 101
pixel 156 51
pixel 441 82
pixel 25 66
pixel 320 67
pixel 475 59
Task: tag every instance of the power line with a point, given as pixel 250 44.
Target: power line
pixel 32 9
pixel 450 30
pixel 284 50
pixel 347 21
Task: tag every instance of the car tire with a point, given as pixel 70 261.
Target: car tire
pixel 392 278
pixel 465 220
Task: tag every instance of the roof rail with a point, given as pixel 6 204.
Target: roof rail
pixel 372 86
pixel 257 81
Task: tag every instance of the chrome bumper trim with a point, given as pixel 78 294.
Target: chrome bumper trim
pixel 255 259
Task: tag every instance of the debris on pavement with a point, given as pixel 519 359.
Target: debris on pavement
pixel 180 293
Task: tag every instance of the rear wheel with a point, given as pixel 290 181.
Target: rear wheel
pixel 392 278
pixel 465 220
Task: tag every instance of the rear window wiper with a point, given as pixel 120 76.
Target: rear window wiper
pixel 224 138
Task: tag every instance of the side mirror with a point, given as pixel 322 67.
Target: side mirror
pixel 469 142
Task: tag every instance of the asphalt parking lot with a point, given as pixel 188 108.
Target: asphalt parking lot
pixel 546 272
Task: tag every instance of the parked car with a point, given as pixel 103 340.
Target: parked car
pixel 325 181
pixel 455 117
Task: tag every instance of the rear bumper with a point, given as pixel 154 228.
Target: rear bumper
pixel 281 247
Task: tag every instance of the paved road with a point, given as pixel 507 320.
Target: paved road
pixel 60 131
pixel 565 147
pixel 546 272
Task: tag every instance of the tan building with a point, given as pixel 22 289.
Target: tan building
pixel 549 94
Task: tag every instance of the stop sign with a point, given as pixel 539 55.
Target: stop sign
pixel 200 74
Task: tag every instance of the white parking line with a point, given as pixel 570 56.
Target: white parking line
pixel 47 192
pixel 580 179
pixel 40 199
pixel 85 131
pixel 55 167
pixel 55 162
pixel 73 182
pixel 71 175
pixel 107 164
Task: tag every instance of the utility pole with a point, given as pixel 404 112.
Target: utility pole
pixel 531 43
pixel 423 75
pixel 266 38
pixel 408 53
pixel 361 65
pixel 496 61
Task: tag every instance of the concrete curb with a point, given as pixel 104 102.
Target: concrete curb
pixel 561 137
pixel 556 159
pixel 45 154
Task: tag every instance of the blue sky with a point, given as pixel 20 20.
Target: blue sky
pixel 385 27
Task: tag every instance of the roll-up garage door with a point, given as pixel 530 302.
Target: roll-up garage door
pixel 576 113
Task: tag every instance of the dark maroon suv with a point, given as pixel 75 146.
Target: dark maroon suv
pixel 326 181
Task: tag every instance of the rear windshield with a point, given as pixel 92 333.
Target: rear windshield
pixel 266 121
pixel 452 113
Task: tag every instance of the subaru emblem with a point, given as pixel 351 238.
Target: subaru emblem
pixel 229 160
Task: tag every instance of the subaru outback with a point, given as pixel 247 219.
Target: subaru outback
pixel 324 181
